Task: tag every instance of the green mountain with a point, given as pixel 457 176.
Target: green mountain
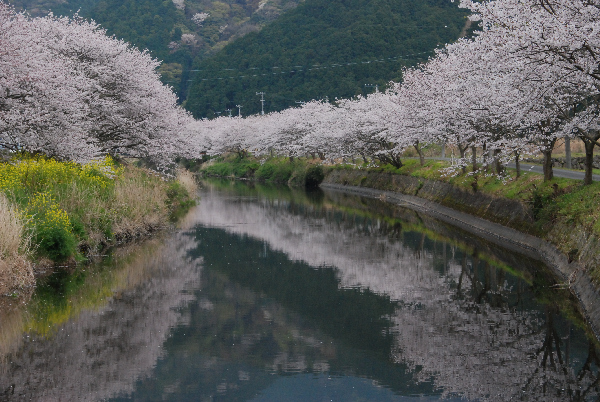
pixel 219 53
pixel 322 48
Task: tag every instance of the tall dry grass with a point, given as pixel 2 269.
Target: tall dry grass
pixel 188 181
pixel 139 203
pixel 15 269
pixel 70 208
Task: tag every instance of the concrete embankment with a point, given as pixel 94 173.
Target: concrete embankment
pixel 492 218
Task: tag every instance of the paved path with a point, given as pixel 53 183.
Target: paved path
pixel 528 167
pixel 565 173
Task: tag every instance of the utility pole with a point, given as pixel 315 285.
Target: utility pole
pixel 262 102
pixel 229 111
pixel 568 152
pixel 374 85
pixel 239 110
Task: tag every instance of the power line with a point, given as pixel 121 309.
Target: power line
pixel 374 85
pixel 298 68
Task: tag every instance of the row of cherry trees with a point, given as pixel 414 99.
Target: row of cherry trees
pixel 69 90
pixel 529 78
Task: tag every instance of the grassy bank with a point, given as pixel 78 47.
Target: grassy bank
pixel 56 212
pixel 299 172
pixel 562 211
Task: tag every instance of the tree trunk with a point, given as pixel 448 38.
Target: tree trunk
pixel 396 161
pixel 474 183
pixel 485 156
pixel 500 170
pixel 518 163
pixel 463 150
pixel 443 150
pixel 474 158
pixel 548 172
pixel 420 152
pixel 589 159
pixel 568 152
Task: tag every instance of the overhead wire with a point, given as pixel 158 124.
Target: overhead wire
pixel 297 68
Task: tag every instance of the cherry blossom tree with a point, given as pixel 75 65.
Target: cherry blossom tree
pixel 40 94
pixel 68 90
pixel 559 36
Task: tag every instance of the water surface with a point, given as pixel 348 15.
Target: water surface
pixel 268 294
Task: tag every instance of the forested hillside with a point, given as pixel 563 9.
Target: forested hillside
pixel 174 31
pixel 323 48
pixel 224 52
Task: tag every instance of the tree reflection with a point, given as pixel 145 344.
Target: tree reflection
pixel 264 286
pixel 111 342
pixel 462 322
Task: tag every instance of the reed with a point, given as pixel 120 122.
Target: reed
pixel 15 269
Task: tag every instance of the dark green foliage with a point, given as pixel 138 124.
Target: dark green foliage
pixel 314 176
pixel 265 171
pixel 280 173
pixel 323 36
pixel 277 170
pixel 56 243
pixel 147 24
pixel 274 170
pixel 238 167
pixel 220 169
pixel 178 200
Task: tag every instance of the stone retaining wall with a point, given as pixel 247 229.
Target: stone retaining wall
pixel 493 219
pixel 507 212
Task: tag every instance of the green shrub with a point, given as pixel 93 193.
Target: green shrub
pixel 56 243
pixel 50 228
pixel 282 173
pixel 178 199
pixel 222 169
pixel 275 171
pixel 245 168
pixel 314 176
pixel 265 171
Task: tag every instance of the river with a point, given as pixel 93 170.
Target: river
pixel 271 294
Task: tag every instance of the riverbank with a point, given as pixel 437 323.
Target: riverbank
pixel 59 213
pixel 297 172
pixel 561 212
